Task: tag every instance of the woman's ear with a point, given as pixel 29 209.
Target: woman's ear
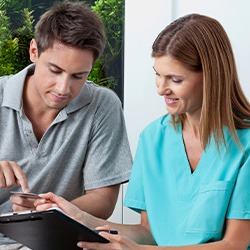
pixel 33 51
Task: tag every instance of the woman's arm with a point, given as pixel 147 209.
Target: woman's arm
pixel 237 234
pixel 139 233
pixel 237 237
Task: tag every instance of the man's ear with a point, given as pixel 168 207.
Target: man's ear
pixel 33 51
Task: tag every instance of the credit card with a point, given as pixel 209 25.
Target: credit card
pixel 25 195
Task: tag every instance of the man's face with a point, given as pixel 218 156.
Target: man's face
pixel 59 75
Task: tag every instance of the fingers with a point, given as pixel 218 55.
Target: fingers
pixel 53 200
pixel 7 177
pixel 105 227
pixel 117 241
pixel 43 206
pixel 96 245
pixel 11 174
pixel 50 200
pixel 44 203
pixel 20 204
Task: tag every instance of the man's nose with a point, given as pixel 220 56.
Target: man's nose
pixel 63 85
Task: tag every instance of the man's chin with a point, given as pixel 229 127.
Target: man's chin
pixel 57 106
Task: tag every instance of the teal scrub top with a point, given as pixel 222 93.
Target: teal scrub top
pixel 186 208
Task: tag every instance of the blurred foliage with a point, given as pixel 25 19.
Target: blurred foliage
pixel 109 64
pixel 16 30
pixel 14 43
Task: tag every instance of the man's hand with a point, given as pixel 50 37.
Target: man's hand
pixel 21 204
pixel 11 174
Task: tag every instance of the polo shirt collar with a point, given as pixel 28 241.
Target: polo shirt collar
pixel 13 92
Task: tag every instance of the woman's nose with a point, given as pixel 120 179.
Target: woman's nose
pixel 163 87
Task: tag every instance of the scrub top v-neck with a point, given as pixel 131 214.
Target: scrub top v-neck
pixel 185 207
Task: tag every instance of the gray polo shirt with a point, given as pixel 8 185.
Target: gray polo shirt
pixel 86 146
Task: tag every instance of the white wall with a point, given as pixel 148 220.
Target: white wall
pixel 235 18
pixel 144 20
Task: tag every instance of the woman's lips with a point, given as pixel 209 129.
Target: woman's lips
pixel 171 101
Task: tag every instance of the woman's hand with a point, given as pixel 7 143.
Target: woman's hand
pixel 117 242
pixel 50 200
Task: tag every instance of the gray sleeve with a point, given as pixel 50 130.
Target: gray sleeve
pixel 108 160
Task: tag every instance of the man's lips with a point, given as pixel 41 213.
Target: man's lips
pixel 59 98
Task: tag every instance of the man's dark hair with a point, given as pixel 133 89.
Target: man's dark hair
pixel 73 24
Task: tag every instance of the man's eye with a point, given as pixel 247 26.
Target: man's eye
pixel 55 71
pixel 79 77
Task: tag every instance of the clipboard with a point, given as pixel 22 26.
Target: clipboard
pixel 50 229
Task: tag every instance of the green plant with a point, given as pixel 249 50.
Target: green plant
pixel 16 31
pixel 112 15
pixel 14 43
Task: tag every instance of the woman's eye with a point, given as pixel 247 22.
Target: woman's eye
pixel 176 80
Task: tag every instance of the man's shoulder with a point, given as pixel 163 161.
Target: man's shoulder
pixel 19 76
pixel 101 93
pixel 4 79
pixel 3 82
pixel 95 88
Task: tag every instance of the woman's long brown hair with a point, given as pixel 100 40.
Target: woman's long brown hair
pixel 200 43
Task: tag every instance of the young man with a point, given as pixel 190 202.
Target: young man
pixel 59 132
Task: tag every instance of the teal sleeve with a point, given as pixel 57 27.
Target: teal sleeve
pixel 239 207
pixel 134 198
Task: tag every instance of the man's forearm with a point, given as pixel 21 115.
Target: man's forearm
pixel 99 202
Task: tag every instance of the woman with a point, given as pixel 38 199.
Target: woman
pixel 190 178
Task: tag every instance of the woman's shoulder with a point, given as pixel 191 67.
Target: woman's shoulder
pixel 244 135
pixel 157 124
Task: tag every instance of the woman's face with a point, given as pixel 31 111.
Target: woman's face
pixel 181 88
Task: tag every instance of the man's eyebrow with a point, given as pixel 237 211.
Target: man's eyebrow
pixel 76 73
pixel 55 66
